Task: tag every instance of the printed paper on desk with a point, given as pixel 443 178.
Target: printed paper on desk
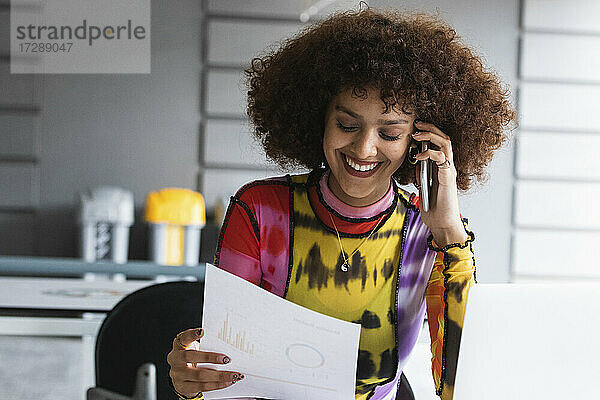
pixel 284 350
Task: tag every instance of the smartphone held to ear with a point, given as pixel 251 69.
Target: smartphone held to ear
pixel 425 178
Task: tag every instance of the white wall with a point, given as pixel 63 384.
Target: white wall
pixel 556 220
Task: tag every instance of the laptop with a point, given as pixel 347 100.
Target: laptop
pixel 530 341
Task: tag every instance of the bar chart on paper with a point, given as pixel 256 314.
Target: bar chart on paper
pixel 236 339
pixel 284 350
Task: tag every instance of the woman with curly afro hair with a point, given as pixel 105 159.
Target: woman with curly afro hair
pixel 353 98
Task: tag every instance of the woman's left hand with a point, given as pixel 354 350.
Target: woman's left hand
pixel 443 217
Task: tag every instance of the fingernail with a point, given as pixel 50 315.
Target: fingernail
pixel 416 133
pixel 236 376
pixel 199 332
pixel 241 376
pixel 226 360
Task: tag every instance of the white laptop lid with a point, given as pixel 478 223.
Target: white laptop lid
pixel 530 341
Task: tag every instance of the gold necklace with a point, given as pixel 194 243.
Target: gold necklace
pixel 344 267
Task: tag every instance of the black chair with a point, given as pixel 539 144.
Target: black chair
pixel 140 330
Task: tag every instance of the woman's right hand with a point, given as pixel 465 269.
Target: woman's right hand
pixel 190 380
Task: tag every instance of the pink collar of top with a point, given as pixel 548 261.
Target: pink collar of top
pixel 350 211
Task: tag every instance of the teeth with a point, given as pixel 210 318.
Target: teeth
pixel 357 167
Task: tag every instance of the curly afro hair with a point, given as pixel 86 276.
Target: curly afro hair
pixel 416 60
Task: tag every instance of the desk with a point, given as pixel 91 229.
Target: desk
pixel 50 312
pixel 99 295
pixel 62 318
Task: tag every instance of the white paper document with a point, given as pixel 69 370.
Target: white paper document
pixel 285 351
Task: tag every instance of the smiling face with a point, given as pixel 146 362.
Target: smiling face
pixel 363 146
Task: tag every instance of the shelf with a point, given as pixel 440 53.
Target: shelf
pixel 57 266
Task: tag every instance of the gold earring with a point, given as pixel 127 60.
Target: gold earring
pixel 412 152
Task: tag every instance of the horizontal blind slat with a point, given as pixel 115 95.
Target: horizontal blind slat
pixel 559 15
pixel 226 93
pixel 557 205
pixel 558 155
pixel 274 8
pixel 561 57
pixel 224 183
pixel 559 254
pixel 231 143
pixel 559 106
pixel 237 42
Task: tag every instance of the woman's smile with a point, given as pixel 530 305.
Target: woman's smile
pixel 358 168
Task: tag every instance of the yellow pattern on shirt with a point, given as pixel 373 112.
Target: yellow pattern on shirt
pixel 365 293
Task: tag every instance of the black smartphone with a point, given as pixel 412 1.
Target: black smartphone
pixel 426 181
pixel 425 177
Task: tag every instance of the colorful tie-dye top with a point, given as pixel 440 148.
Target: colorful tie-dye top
pixel 278 234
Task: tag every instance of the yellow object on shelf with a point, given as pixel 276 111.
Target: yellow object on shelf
pixel 176 206
pixel 175 217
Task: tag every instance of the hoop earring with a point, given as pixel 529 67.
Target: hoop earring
pixel 412 152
